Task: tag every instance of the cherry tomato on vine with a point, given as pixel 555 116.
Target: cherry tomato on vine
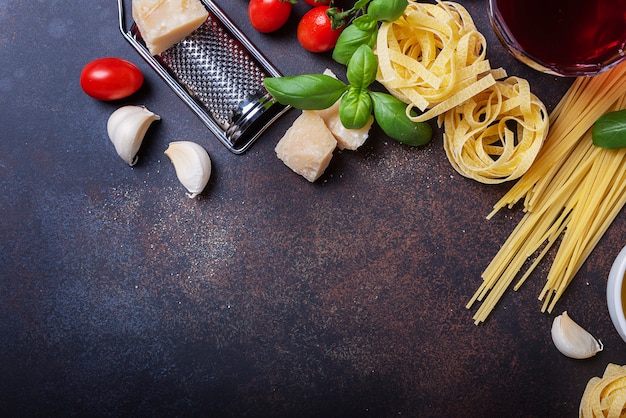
pixel 269 15
pixel 110 78
pixel 317 2
pixel 315 31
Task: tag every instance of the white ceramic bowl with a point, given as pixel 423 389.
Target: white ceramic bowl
pixel 614 293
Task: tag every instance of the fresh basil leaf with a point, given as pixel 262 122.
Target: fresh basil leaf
pixel 390 114
pixel 306 92
pixel 609 131
pixel 387 10
pixel 350 39
pixel 365 23
pixel 355 108
pixel 362 67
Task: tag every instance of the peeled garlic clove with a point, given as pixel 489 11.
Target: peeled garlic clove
pixel 192 164
pixel 127 127
pixel 573 340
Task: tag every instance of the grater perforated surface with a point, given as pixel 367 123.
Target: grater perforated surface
pixel 215 69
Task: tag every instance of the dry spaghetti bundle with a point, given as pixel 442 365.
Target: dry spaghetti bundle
pixel 572 193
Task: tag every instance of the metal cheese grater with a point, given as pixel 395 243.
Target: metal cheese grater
pixel 219 74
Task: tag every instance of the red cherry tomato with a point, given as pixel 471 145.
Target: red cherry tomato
pixel 268 15
pixel 317 3
pixel 110 78
pixel 315 32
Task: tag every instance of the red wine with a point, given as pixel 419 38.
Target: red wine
pixel 566 36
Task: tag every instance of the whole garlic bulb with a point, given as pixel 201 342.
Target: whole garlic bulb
pixel 192 164
pixel 127 127
pixel 573 340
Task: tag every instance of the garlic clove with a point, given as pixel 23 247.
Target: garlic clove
pixel 573 340
pixel 127 127
pixel 192 165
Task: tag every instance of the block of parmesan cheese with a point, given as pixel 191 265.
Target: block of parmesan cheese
pixel 307 146
pixel 163 23
pixel 346 138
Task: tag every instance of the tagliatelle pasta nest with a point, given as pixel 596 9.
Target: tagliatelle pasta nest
pixel 605 396
pixel 433 57
pixel 495 135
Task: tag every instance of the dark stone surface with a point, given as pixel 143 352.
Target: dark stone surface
pixel 267 296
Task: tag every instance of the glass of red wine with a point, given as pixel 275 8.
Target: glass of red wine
pixel 562 37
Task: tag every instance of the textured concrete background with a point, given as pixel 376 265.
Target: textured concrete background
pixel 266 296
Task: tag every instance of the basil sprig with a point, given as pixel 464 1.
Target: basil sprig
pixel 609 131
pixel 318 91
pixel 358 102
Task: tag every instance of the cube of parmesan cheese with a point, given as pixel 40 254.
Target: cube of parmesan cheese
pixel 163 23
pixel 346 138
pixel 307 146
